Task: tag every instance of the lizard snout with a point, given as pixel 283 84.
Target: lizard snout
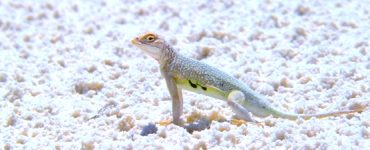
pixel 135 40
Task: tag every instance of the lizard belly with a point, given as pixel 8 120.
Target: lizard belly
pixel 193 86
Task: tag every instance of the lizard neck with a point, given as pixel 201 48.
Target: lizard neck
pixel 168 55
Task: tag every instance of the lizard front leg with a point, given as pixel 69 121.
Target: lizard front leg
pixel 176 95
pixel 240 111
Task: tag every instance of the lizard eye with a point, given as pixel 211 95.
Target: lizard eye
pixel 150 38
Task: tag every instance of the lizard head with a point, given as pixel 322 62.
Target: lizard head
pixel 151 44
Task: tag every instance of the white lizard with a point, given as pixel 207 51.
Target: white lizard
pixel 181 72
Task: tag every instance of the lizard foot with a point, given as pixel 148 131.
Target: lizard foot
pixel 165 122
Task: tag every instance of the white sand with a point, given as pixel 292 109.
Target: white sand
pixel 62 61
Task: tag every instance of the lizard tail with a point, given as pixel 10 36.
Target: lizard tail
pixel 280 114
pixel 324 115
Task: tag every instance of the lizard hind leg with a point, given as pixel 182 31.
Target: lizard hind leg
pixel 240 111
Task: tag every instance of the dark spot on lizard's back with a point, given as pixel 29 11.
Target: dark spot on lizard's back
pixel 192 84
pixel 204 88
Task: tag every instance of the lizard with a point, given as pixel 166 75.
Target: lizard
pixel 182 72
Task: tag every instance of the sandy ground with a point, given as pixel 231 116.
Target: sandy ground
pixel 63 61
